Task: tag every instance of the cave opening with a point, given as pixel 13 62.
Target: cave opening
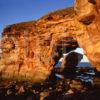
pixel 65 46
pixel 72 62
pixel 69 47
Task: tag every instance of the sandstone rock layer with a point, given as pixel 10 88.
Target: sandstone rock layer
pixel 30 49
pixel 88 33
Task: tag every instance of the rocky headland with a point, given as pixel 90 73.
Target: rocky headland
pixel 30 51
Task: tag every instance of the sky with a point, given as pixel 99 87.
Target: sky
pixel 14 11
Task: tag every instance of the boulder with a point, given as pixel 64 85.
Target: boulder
pixel 72 59
pixel 68 67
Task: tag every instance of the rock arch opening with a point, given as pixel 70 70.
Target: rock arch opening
pixel 64 46
pixel 70 55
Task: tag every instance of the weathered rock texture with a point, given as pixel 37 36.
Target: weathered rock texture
pixel 72 59
pixel 88 31
pixel 31 49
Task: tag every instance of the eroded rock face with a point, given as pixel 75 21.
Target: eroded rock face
pixel 23 53
pixel 30 48
pixel 88 33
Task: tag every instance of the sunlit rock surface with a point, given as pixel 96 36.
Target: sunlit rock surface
pixel 88 31
pixel 30 49
pixel 73 59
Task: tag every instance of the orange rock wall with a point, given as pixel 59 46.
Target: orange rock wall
pixel 88 34
pixel 30 49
